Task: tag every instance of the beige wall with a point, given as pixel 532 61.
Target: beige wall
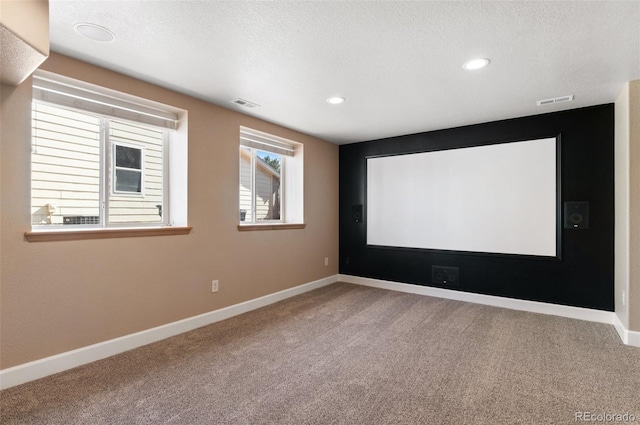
pixel 627 186
pixel 59 296
pixel 29 20
pixel 634 210
pixel 24 38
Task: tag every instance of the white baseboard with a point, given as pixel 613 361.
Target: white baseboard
pixel 64 361
pixel 620 328
pixel 628 337
pixel 631 338
pixel 510 303
pixel 60 362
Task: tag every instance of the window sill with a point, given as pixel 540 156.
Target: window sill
pixel 270 226
pixel 77 235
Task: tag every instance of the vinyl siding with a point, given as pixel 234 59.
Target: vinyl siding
pixel 65 167
pixel 135 208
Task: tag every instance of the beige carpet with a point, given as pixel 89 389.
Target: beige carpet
pixel 348 354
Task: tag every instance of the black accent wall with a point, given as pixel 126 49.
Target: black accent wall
pixel 582 277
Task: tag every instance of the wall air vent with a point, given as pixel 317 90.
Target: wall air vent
pixel 555 100
pixel 246 103
pixel 81 219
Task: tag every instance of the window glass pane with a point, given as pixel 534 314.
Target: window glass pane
pixel 267 181
pixel 245 185
pixel 128 181
pixel 127 157
pixel 136 196
pixel 264 162
pixel 65 167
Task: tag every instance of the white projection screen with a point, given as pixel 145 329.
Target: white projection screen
pixel 500 198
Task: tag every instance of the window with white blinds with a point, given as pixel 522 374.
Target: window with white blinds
pixel 64 91
pixel 271 179
pixel 94 168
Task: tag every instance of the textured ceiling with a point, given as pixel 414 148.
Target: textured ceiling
pixel 398 64
pixel 20 57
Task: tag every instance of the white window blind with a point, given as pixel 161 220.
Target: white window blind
pixel 266 142
pixel 75 94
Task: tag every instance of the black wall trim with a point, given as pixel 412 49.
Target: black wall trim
pixel 582 277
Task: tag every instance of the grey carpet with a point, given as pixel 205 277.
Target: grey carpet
pixel 348 354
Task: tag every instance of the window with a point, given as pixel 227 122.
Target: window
pixel 270 179
pixel 260 191
pixel 128 169
pixel 101 159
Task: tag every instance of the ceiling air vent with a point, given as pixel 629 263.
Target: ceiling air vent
pixel 246 103
pixel 555 100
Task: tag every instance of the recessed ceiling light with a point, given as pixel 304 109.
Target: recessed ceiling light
pixel 476 63
pixel 335 100
pixel 94 32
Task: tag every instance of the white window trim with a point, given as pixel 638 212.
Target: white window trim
pixel 69 93
pixel 291 178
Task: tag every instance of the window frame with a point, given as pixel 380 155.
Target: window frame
pixel 107 182
pixel 291 189
pixel 51 89
pixel 253 164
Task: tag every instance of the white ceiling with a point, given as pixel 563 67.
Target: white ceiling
pixel 398 64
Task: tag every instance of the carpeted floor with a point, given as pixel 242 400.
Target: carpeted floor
pixel 348 354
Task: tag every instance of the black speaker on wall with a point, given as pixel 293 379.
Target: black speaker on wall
pixel 576 215
pixel 356 211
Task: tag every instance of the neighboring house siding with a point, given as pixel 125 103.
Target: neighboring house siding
pixel 264 193
pixel 267 184
pixel 135 208
pixel 66 163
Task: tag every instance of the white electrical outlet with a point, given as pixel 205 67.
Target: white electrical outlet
pixel 326 261
pixel 623 298
pixel 214 285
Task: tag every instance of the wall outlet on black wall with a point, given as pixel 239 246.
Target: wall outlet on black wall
pixel 442 275
pixel 356 212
